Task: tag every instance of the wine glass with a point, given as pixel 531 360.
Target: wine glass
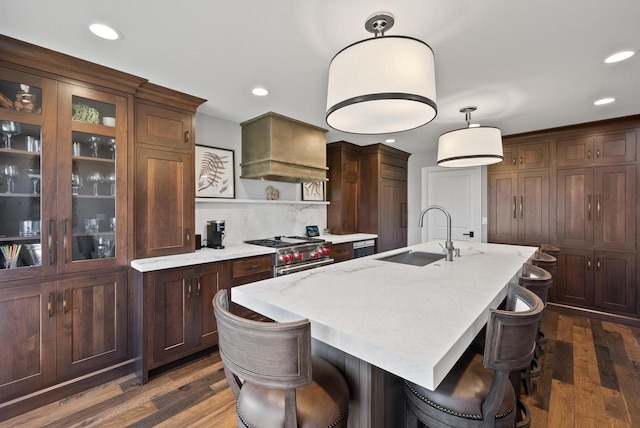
pixel 10 172
pixel 111 143
pixel 9 129
pixel 111 179
pixel 34 175
pixel 94 144
pixel 76 183
pixel 94 178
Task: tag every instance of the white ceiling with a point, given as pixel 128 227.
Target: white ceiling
pixel 526 65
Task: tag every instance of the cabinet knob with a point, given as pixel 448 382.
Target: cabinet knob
pixel 187 136
pixel 513 161
pixel 521 160
pixel 588 154
pixel 50 305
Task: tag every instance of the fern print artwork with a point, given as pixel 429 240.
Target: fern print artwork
pixel 214 174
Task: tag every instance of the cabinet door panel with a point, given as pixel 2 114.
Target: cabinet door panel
pixel 211 278
pixel 392 229
pixel 615 214
pixel 509 162
pixel 163 127
pixel 575 151
pixel 575 274
pixel 164 202
pixel 534 155
pixel 615 148
pixel 576 205
pixel 503 208
pixel 27 339
pixel 533 221
pixel 92 317
pixel 615 279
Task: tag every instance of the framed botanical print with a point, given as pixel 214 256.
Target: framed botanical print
pixel 215 173
pixel 313 191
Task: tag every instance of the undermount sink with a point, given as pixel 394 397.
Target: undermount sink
pixel 415 258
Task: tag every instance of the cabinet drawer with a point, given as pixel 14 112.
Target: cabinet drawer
pixel 394 172
pixel 251 269
pixel 342 252
pixel 163 127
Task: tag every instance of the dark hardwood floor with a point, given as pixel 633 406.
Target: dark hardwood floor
pixel 591 378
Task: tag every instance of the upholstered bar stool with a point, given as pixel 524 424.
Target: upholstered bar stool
pixel 538 281
pixel 276 381
pixel 477 392
pixel 551 250
pixel 549 263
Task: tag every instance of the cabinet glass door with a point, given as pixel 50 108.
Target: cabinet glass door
pixel 91 201
pixel 25 139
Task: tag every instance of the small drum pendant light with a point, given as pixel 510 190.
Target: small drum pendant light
pixel 470 146
pixel 382 84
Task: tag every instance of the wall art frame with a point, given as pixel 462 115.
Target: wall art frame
pixel 313 191
pixel 215 172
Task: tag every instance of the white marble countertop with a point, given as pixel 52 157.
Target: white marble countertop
pixel 204 255
pixel 353 237
pixel 414 322
pixel 210 255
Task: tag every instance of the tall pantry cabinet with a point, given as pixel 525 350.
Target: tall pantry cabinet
pixel 593 212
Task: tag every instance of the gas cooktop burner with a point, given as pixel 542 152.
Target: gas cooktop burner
pixel 285 241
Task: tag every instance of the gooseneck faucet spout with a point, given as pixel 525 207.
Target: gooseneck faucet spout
pixel 449 242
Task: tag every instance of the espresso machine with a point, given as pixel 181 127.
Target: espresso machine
pixel 215 234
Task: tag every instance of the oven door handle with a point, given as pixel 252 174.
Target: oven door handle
pixel 300 267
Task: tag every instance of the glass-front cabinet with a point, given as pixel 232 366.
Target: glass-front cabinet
pixel 62 177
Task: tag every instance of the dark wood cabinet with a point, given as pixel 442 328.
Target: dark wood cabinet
pixel 342 252
pixel 518 157
pixel 602 149
pixel 383 195
pixel 519 205
pixel 176 318
pixel 164 172
pixel 343 161
pixel 245 271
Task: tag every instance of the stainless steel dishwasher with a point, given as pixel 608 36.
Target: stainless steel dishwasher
pixel 364 248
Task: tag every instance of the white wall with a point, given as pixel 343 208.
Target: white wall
pixel 251 220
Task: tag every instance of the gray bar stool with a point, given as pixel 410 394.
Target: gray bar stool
pixel 276 381
pixel 549 263
pixel 477 392
pixel 538 281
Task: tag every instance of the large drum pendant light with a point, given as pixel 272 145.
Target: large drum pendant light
pixel 470 146
pixel 383 84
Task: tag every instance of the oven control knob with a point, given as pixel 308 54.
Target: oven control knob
pixel 285 258
pixel 314 254
pixel 326 251
pixel 298 256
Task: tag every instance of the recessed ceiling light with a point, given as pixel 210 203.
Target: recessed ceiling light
pixel 474 125
pixel 260 92
pixel 619 56
pixel 105 32
pixel 603 101
pixel 390 140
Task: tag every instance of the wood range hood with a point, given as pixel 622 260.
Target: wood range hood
pixel 278 148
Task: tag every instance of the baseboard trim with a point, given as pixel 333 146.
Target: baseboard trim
pixel 20 405
pixel 572 310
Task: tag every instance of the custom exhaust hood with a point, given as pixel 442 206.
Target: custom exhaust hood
pixel 278 148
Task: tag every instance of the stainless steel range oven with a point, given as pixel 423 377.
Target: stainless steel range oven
pixel 296 253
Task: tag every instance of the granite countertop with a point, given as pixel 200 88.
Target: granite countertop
pixel 414 322
pixel 231 252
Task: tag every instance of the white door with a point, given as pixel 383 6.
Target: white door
pixel 458 190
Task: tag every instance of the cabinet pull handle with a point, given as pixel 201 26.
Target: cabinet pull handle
pixel 598 208
pixel 188 235
pixel 514 161
pixel 597 264
pixel 588 263
pixel 588 154
pixel 50 305
pixel 64 241
pixel 589 208
pixel 252 267
pixel 187 136
pixel 521 206
pixel 64 302
pixel 199 286
pixel 598 153
pixel 521 160
pixel 50 243
pixel 189 289
pixel 514 207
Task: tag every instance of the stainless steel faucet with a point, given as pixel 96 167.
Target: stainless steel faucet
pixel 449 243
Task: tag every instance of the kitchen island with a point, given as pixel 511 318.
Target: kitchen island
pixel 381 321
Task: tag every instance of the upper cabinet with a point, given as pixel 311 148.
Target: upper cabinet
pixel 600 149
pixel 522 157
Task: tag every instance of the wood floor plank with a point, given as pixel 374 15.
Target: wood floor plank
pixel 126 418
pixel 565 328
pixel 615 405
pixel 214 410
pixel 589 402
pixel 630 387
pixel 561 409
pixel 563 362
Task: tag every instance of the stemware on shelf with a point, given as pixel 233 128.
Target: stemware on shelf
pixel 94 144
pixel 76 183
pixel 9 129
pixel 34 175
pixel 111 143
pixel 94 178
pixel 10 172
pixel 111 179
